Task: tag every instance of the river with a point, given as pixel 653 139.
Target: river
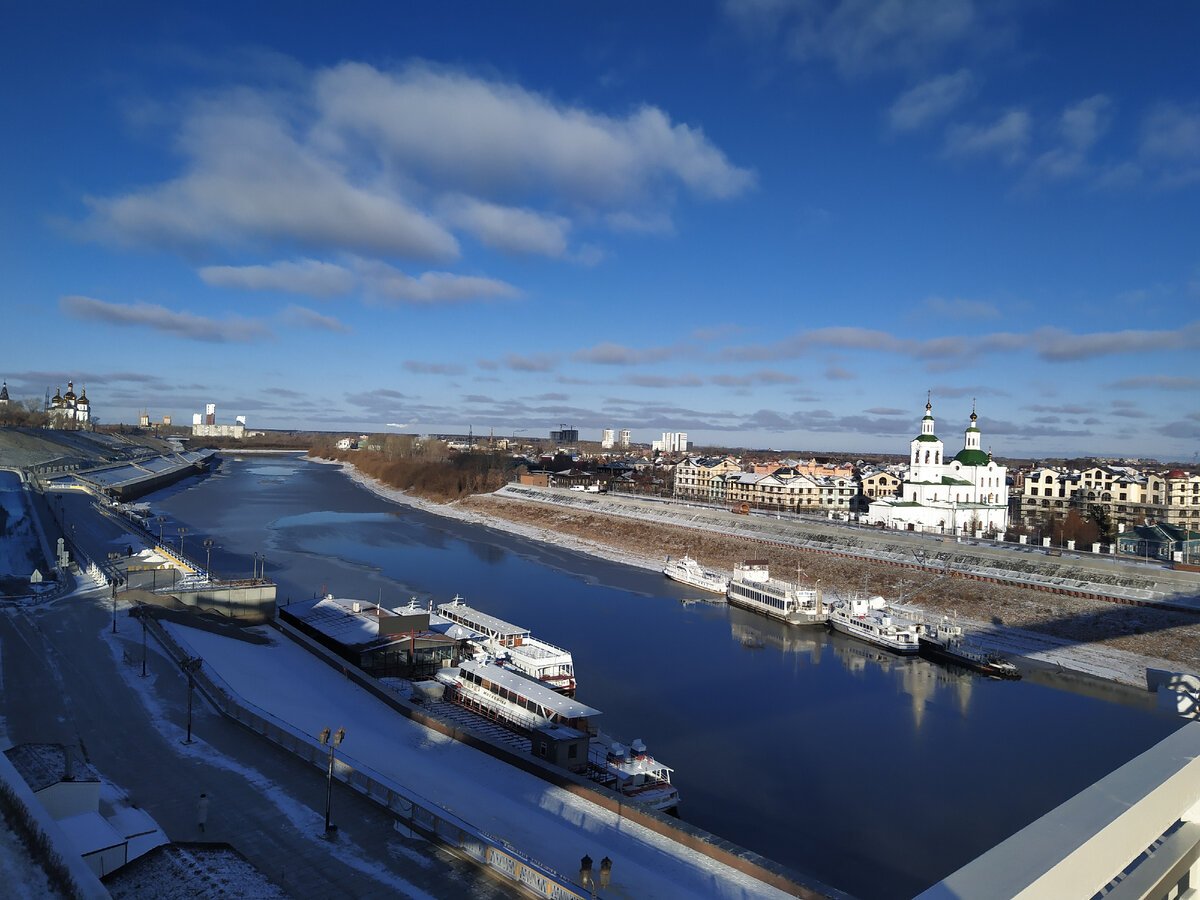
pixel 875 774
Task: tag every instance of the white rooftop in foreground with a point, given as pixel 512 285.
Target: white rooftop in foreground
pixel 550 824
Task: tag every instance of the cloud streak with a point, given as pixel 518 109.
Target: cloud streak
pixel 309 276
pixel 163 320
pixel 930 100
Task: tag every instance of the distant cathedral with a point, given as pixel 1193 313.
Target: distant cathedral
pixel 67 410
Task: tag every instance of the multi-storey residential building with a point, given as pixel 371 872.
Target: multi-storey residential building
pixel 607 439
pixel 835 493
pixel 1181 495
pixel 623 437
pixel 672 442
pixel 700 478
pixel 1124 494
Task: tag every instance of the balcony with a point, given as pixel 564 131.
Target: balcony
pixel 1133 835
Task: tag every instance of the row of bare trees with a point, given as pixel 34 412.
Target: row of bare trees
pixel 426 469
pixel 23 413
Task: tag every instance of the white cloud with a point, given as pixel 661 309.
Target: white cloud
pixel 1084 123
pixel 302 317
pixel 309 276
pixel 1170 142
pixel 387 283
pixel 1007 137
pixel 506 228
pixel 612 354
pixel 640 223
pixel 1171 133
pixel 248 177
pixel 859 37
pixel 929 100
pixel 484 136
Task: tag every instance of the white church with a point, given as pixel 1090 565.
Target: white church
pixel 965 494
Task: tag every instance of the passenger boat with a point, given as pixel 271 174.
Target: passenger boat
pixel 871 619
pixel 557 727
pixel 945 643
pixel 631 771
pixel 538 659
pixel 753 588
pixel 687 571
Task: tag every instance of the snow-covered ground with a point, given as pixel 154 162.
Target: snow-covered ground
pixel 550 824
pixel 303 819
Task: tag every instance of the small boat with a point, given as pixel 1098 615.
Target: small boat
pixel 631 771
pixel 945 643
pixel 871 619
pixel 687 571
pixel 753 588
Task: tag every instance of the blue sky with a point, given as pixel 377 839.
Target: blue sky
pixel 775 223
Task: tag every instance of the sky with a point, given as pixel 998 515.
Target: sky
pixel 775 224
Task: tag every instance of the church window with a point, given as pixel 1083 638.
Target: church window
pixel 937 456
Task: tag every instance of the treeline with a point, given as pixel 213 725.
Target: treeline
pixel 440 480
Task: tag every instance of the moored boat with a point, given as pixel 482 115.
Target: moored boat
pixel 631 771
pixel 533 657
pixel 871 619
pixel 753 588
pixel 687 571
pixel 559 728
pixel 945 642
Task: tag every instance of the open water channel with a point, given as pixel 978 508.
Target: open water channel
pixel 875 774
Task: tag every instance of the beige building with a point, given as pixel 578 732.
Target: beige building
pixel 1126 495
pixel 697 478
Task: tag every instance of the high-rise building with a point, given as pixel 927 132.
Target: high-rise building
pixel 672 442
pixel 623 437
pixel 607 439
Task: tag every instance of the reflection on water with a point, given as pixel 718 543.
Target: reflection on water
pixel 805 746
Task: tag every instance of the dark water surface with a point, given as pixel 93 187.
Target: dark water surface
pixel 875 774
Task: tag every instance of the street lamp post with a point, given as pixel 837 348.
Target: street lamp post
pixel 191 665
pixel 208 545
pixel 586 878
pixel 160 527
pixel 141 614
pixel 182 532
pixel 254 570
pixel 331 741
pixel 115 579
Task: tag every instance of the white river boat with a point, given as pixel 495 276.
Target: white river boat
pixel 533 657
pixel 871 619
pixel 687 571
pixel 753 588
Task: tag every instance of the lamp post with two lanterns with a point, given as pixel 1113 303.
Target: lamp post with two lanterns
pixel 330 740
pixel 586 878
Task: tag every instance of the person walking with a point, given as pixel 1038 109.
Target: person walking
pixel 202 811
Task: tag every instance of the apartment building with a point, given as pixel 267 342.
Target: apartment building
pixel 1125 494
